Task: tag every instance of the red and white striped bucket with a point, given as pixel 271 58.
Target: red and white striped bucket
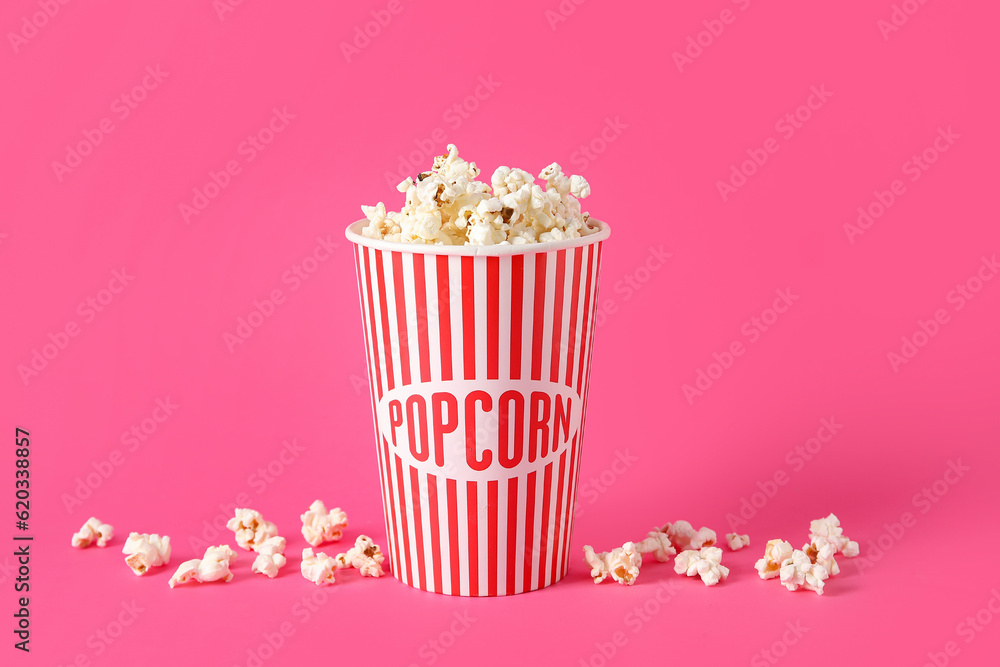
pixel 478 359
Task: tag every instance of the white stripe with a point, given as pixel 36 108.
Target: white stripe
pixel 550 536
pixel 455 296
pixel 522 504
pixel 433 316
pixel 459 541
pixel 413 325
pixel 482 308
pixel 506 301
pixel 483 532
pixel 425 525
pixel 502 500
pixel 564 351
pixel 548 311
pixel 536 550
pixel 444 552
pixel 462 499
pixel 527 313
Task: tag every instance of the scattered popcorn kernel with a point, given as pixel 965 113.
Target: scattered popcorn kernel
pixel 658 544
pixel 736 541
pixel 144 551
pixel 828 531
pixel 448 206
pixel 622 564
pixel 684 537
pixel 250 528
pixel 318 568
pixel 319 526
pixel 364 556
pixel 93 530
pixel 270 556
pixel 213 566
pixel 823 556
pixel 705 563
pixel 798 571
pixel 775 553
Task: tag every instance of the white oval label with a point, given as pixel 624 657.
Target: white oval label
pixel 475 430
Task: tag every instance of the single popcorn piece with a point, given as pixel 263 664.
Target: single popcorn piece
pixel 213 566
pixel 250 527
pixel 93 530
pixel 318 567
pixel 828 531
pixel 144 551
pixel 270 556
pixel 823 556
pixel 736 541
pixel 705 563
pixel 798 571
pixel 622 564
pixel 319 526
pixel 657 543
pixel 448 206
pixel 684 537
pixel 365 556
pixel 775 553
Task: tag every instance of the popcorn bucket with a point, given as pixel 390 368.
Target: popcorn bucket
pixel 478 359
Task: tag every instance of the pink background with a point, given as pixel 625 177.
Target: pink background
pixel 554 88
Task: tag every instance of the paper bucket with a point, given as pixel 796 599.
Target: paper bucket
pixel 478 360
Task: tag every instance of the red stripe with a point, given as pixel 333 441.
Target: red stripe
pixel 529 531
pixel 420 288
pixel 400 297
pixel 511 534
pixel 418 529
pixel 392 507
pixel 406 569
pixel 493 510
pixel 493 318
pixel 557 538
pixel 444 315
pixel 545 538
pixel 377 369
pixel 473 510
pixel 586 315
pixel 516 308
pixel 538 321
pixel 570 508
pixel 453 546
pixel 573 307
pixel 436 549
pixel 390 381
pixel 557 315
pixel 469 317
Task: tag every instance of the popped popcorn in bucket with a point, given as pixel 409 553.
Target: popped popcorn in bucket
pixel 448 206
